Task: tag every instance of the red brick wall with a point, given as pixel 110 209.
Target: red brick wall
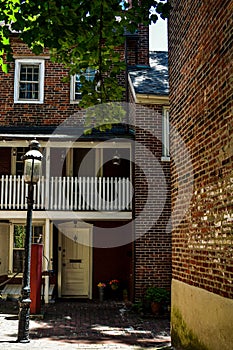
pixel 56 107
pixel 200 57
pixel 143 45
pixel 152 203
pixel 138 47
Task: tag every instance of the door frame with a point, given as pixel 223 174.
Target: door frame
pixel 62 229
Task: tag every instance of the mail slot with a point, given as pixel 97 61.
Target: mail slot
pixel 75 261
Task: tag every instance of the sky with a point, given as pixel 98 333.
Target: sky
pixel 158 36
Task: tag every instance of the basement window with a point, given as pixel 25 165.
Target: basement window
pixel 29 81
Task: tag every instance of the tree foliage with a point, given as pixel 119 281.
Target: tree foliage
pixel 79 34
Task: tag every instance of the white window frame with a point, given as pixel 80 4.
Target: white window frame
pixel 165 134
pixel 11 245
pixel 18 64
pixel 72 88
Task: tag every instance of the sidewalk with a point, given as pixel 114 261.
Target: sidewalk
pixel 85 325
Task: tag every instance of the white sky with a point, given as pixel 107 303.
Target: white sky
pixel 158 36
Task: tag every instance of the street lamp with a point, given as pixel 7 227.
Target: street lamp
pixel 32 169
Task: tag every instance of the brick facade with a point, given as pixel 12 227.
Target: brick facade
pixel 200 60
pixel 150 258
pixel 57 107
pixel 152 248
pixel 200 44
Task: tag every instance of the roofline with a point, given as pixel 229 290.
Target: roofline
pixel 148 98
pixel 65 133
pixel 152 99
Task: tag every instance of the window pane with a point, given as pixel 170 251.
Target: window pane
pixel 35 91
pixel 19 236
pixel 29 73
pixel 18 250
pixel 37 234
pixel 89 76
pixel 19 162
pixel 78 86
pixel 23 73
pixel 20 152
pixel 29 91
pixel 29 82
pixel 19 168
pixel 35 76
pixel 18 260
pixel 22 90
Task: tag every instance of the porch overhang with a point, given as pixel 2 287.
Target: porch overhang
pixel 9 133
pixel 69 215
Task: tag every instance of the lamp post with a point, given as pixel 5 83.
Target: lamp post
pixel 32 169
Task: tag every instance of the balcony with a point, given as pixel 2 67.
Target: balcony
pixel 68 194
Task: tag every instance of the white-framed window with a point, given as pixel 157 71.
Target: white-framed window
pixel 17 164
pixel 29 81
pixel 165 134
pixel 75 86
pixel 19 232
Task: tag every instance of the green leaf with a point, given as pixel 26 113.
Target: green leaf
pixel 78 34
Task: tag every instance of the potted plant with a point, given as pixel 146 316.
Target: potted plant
pixel 114 284
pixel 157 297
pixel 101 287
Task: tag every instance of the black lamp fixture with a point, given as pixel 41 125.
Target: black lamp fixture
pixel 32 170
pixel 116 159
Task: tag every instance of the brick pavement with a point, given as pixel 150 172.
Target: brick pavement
pixel 85 325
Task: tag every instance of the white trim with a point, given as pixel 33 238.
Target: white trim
pixel 165 159
pixel 47 260
pixel 18 63
pixel 132 88
pixel 20 222
pixel 165 135
pixel 21 57
pixel 88 74
pixel 152 99
pixel 11 244
pixel 69 215
pixel 90 261
pixel 59 264
pixel 72 91
pixel 47 179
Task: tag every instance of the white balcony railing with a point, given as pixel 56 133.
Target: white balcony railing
pixel 68 193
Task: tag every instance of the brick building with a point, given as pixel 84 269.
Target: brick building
pixel 200 60
pixel 94 215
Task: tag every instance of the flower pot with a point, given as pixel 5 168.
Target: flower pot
pixel 101 294
pixel 114 286
pixel 155 307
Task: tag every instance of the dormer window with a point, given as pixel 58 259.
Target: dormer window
pixel 29 81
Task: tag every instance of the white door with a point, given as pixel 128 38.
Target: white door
pixel 76 263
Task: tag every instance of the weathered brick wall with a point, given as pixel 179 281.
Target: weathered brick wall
pixel 143 45
pixel 56 107
pixel 152 203
pixel 200 56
